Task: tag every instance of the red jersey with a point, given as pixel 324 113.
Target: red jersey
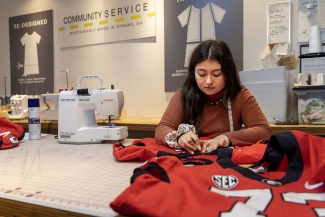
pixel 146 148
pixel 287 181
pixel 10 134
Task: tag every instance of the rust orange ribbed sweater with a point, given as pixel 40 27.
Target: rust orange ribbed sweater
pixel 245 111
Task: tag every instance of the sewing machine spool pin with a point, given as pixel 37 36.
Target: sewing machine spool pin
pixel 66 76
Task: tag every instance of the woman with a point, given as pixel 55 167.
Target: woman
pixel 212 103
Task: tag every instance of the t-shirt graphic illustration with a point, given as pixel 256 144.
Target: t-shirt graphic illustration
pixel 31 56
pixel 200 28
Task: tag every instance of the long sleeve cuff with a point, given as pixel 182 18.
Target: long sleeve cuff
pixel 172 137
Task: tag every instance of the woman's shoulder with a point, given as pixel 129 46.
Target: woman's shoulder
pixel 243 95
pixel 177 94
pixel 244 92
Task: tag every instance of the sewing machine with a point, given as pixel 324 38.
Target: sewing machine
pixel 77 120
pixel 18 107
pixel 51 100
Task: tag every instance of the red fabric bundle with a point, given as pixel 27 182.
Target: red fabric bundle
pixel 10 134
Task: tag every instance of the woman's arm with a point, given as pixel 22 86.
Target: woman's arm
pixel 171 118
pixel 253 118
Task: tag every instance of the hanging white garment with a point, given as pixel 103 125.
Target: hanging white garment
pixel 201 25
pixel 31 55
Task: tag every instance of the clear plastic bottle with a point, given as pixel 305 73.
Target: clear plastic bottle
pixel 34 120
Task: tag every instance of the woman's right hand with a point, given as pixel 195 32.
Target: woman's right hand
pixel 190 142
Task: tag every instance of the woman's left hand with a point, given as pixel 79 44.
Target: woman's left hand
pixel 217 142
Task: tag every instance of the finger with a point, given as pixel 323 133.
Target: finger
pixel 205 147
pixel 191 147
pixel 187 146
pixel 213 147
pixel 198 144
pixel 193 143
pixel 184 143
pixel 189 150
pixel 223 143
pixel 202 142
pixel 184 146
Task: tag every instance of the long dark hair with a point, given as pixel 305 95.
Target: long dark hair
pixel 192 97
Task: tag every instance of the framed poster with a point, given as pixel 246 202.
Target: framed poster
pixel 187 23
pixel 31 53
pixel 279 22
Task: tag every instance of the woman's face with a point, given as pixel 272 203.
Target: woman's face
pixel 209 77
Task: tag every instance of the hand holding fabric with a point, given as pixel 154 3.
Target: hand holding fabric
pixel 189 141
pixel 217 142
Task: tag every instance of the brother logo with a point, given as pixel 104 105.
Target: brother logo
pixel 181 0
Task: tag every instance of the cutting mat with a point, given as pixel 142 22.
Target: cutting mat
pixel 78 178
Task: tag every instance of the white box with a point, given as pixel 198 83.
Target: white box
pixel 272 105
pixel 275 74
pixel 267 88
pixel 270 89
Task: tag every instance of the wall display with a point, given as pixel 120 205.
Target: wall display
pixel 187 23
pixel 106 21
pixel 31 53
pixel 279 20
pixel 310 12
pixel 314 62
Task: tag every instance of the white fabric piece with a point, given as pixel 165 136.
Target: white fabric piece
pixel 208 29
pixel 183 17
pixel 218 12
pixel 188 52
pixel 193 31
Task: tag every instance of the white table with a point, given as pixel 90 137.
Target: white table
pixel 43 174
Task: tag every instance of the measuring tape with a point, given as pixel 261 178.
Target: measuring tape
pixel 231 124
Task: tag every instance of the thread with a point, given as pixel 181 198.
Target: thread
pixel 315 43
pixel 7 100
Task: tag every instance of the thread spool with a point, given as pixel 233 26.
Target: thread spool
pixel 34 123
pixel 3 100
pixel 315 43
pixel 83 91
pixel 7 100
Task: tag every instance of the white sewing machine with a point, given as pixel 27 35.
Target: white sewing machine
pixel 77 120
pixel 18 107
pixel 51 100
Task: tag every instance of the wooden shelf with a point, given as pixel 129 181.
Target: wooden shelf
pixel 150 124
pixel 316 129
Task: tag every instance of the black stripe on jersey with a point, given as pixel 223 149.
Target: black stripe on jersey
pixel 280 145
pixel 153 169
